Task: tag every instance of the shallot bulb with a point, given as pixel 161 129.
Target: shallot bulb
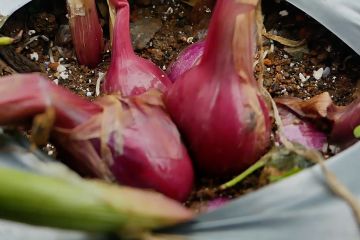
pixel 188 58
pixel 346 120
pixel 130 74
pixel 301 131
pixel 86 31
pixel 342 119
pixel 132 141
pixel 217 104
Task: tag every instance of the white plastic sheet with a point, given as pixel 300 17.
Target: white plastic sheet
pixel 342 17
pixel 8 7
pixel 300 207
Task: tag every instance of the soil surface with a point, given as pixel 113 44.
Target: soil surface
pixel 171 25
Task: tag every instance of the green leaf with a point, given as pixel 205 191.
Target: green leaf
pixel 6 41
pixel 259 164
pixel 285 161
pixel 84 204
pixel 285 174
pixel 357 132
pixel 38 190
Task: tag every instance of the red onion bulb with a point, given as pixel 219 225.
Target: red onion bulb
pixel 217 105
pixel 130 74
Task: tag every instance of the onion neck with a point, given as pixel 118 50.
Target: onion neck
pixel 122 47
pixel 219 48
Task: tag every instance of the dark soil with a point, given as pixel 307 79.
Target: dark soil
pixel 181 25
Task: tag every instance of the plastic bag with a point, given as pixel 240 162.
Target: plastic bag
pixel 300 207
pixel 342 17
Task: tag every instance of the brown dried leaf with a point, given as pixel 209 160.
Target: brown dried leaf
pixel 321 108
pixel 42 126
pixel 105 125
pixel 191 2
pixel 244 26
pixel 318 107
pixel 284 41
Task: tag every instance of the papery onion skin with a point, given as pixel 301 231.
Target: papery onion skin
pixel 217 105
pixel 301 131
pixel 128 73
pixel 86 31
pixel 188 58
pixel 130 140
pixel 321 109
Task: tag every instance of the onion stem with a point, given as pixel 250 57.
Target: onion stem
pixel 6 40
pixel 79 204
pixel 259 164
